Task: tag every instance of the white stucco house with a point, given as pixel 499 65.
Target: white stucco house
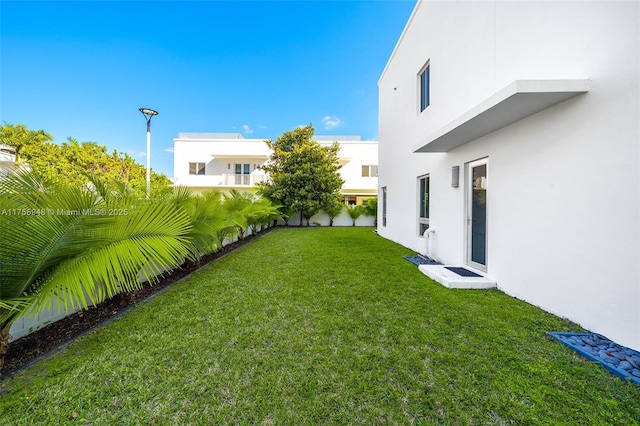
pixel 225 161
pixel 509 131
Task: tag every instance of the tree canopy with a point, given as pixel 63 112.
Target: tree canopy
pixel 73 161
pixel 303 175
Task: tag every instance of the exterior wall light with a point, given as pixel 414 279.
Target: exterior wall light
pixel 455 176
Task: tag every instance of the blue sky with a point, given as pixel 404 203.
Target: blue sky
pixel 83 68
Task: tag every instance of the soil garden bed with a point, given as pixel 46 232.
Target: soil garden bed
pixel 30 348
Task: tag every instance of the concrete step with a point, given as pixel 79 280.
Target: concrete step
pixel 450 279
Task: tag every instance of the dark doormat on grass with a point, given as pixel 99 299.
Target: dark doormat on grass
pixel 621 361
pixel 462 272
pixel 419 259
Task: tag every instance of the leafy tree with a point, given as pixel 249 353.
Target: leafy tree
pixel 73 161
pixel 355 212
pixel 303 175
pixel 82 244
pixel 19 137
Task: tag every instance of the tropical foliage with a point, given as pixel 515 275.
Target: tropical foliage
pixel 355 212
pixel 334 209
pixel 19 136
pixel 303 175
pixel 80 244
pixel 209 221
pixel 73 160
pixel 371 209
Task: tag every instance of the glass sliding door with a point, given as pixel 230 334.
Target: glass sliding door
pixel 477 214
pixel 242 174
pixel 423 204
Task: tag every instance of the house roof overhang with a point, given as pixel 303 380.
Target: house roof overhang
pixel 356 191
pixel 518 100
pixel 240 156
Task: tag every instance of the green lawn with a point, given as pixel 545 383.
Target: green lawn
pixel 320 326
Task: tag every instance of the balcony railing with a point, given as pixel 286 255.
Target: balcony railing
pixel 242 179
pixel 224 180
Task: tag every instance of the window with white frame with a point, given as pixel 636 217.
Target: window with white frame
pixel 196 168
pixel 423 204
pixel 424 78
pixel 369 171
pixel 350 200
pixel 384 206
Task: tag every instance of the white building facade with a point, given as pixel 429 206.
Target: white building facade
pixel 7 158
pixel 509 131
pixel 203 161
pixel 226 161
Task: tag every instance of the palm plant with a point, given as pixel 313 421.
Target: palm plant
pixel 264 213
pixel 208 219
pixel 308 213
pixel 355 212
pixel 334 210
pixel 372 209
pixel 285 213
pixel 238 207
pixel 273 214
pixel 79 245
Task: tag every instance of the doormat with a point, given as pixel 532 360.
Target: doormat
pixel 419 259
pixel 462 272
pixel 621 361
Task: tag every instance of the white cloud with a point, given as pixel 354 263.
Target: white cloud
pixel 331 122
pixel 137 154
pixel 170 150
pixel 247 130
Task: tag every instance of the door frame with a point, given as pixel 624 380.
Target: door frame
pixel 467 214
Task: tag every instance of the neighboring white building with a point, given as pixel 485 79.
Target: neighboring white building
pixel 510 130
pixel 359 161
pixel 7 158
pixel 225 161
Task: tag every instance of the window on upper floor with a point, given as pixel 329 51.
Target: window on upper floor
pixel 196 168
pixel 424 79
pixel 369 171
pixel 243 170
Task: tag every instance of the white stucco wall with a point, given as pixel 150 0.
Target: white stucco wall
pixel 354 155
pixel 564 184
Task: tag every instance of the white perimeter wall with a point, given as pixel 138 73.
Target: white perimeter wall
pixel 564 184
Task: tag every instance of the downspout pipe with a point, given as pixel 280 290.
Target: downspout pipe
pixel 427 235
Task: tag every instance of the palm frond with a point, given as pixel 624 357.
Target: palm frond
pixel 143 244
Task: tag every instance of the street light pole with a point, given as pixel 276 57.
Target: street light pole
pixel 148 113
